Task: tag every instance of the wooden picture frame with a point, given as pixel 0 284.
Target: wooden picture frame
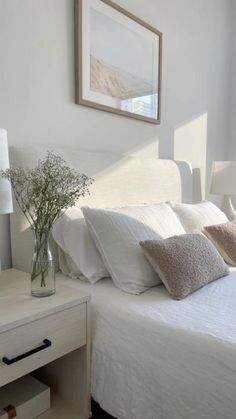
pixel 118 60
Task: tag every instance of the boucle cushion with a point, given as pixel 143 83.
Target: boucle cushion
pixel 197 216
pixel 223 236
pixel 185 263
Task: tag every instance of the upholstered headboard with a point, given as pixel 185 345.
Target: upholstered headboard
pixel 120 180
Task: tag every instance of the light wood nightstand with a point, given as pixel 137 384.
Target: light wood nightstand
pixel 57 330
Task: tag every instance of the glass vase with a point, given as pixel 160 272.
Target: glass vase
pixel 43 270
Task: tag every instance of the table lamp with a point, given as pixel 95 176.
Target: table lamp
pixel 223 182
pixel 6 205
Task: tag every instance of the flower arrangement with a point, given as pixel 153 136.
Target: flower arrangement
pixel 43 193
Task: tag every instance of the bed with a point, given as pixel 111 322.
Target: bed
pixel 156 358
pixel 152 357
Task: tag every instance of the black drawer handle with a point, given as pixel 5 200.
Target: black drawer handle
pixel 46 344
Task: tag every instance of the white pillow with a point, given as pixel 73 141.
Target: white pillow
pixel 197 216
pixel 67 266
pixel 81 255
pixel 117 233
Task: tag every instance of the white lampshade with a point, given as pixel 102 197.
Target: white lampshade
pixel 223 180
pixel 5 188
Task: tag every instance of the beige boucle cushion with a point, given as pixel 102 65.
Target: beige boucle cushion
pixel 185 263
pixel 223 236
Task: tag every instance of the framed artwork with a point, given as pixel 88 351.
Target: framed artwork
pixel 117 61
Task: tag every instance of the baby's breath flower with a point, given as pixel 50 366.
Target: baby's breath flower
pixel 44 191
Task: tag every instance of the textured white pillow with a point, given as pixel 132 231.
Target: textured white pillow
pixel 197 216
pixel 82 258
pixel 117 233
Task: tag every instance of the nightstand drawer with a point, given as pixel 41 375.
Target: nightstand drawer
pixel 49 337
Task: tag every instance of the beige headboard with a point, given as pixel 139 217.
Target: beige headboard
pixel 120 180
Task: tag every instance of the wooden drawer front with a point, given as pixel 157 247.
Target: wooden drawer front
pixel 65 329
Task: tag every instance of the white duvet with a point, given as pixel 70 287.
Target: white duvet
pixel 156 358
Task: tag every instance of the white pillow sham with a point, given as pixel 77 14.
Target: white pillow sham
pixel 197 216
pixel 82 258
pixel 67 266
pixel 117 233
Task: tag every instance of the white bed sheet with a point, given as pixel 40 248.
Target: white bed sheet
pixel 156 358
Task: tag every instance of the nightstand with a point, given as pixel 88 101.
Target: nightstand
pixel 49 337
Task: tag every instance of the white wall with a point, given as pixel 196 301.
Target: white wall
pixel 232 123
pixel 37 81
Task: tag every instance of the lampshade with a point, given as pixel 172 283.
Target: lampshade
pixel 5 188
pixel 223 180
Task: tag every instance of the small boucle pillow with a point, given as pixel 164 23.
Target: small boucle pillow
pixel 223 236
pixel 184 263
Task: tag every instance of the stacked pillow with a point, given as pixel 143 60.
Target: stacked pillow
pixel 194 217
pixel 80 256
pixel 117 233
pixel 105 242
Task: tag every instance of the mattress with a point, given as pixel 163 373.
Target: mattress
pixel 156 358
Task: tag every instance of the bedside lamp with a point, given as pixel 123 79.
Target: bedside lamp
pixel 223 182
pixel 6 205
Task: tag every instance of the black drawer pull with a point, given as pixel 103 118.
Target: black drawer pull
pixel 46 344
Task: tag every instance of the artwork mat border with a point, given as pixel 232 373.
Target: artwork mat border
pixel 78 4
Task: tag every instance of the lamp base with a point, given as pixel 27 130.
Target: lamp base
pixel 228 208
